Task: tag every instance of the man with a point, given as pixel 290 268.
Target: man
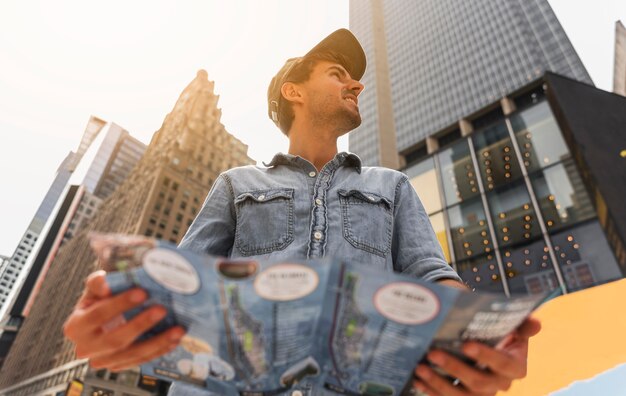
pixel 309 203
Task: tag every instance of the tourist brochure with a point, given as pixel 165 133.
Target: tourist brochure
pixel 259 328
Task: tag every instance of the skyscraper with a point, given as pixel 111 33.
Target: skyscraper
pixel 160 197
pixel 433 62
pixel 619 67
pixel 11 276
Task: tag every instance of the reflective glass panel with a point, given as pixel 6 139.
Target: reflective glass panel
pixel 539 137
pixel 423 178
pixel 562 196
pixel 481 273
pixel 528 269
pixel 585 257
pixel 468 226
pixel 514 219
pixel 496 156
pixel 457 173
pixel 439 227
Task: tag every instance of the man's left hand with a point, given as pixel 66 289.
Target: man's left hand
pixel 502 366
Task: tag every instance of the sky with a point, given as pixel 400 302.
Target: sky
pixel 128 61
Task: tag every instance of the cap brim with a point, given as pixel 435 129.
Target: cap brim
pixel 343 42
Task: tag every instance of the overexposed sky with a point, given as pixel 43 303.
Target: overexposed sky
pixel 127 62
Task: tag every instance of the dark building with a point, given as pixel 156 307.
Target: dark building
pixel 430 62
pixel 526 194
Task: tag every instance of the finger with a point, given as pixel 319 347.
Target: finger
pixel 500 362
pixel 87 321
pixel 96 289
pixel 96 284
pixel 473 378
pixel 121 337
pixel 530 327
pixel 141 352
pixel 436 383
pixel 423 388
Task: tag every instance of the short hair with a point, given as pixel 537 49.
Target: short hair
pixel 300 73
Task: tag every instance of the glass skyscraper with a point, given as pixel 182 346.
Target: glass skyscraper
pixel 434 62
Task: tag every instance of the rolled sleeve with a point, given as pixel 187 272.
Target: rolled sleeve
pixel 415 248
pixel 213 230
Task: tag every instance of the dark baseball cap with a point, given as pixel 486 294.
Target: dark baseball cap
pixel 341 41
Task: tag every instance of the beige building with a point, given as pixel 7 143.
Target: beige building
pixel 160 198
pixel 619 68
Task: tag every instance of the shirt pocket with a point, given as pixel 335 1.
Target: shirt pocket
pixel 264 221
pixel 367 220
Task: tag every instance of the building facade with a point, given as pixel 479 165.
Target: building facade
pixel 63 213
pixel 525 194
pixel 12 277
pixel 430 62
pixel 160 197
pixel 619 66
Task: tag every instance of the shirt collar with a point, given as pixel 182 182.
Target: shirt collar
pixel 344 158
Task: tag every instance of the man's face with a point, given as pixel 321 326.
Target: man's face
pixel 331 96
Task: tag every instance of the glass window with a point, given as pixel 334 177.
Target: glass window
pixel 468 226
pixel 562 196
pixel 439 227
pixel 539 137
pixel 496 157
pixel 514 219
pixel 423 178
pixel 528 269
pixel 457 173
pixel 481 273
pixel 585 257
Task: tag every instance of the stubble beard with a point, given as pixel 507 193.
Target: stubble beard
pixel 343 119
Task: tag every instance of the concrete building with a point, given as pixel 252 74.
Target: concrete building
pixel 619 67
pixel 526 193
pixel 160 197
pixel 430 62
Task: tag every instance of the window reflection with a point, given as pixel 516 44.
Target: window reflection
pixel 439 227
pixel 468 226
pixel 457 173
pixel 496 157
pixel 584 256
pixel 423 178
pixel 538 137
pixel 481 274
pixel 513 216
pixel 562 196
pixel 528 269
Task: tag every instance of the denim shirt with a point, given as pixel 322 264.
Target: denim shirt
pixel 287 209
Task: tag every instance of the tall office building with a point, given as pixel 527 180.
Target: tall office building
pixel 160 197
pixel 13 274
pixel 432 62
pixel 619 67
pixel 71 210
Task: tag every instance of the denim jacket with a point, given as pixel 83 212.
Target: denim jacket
pixel 288 209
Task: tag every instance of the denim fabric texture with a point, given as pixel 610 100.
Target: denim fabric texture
pixel 287 209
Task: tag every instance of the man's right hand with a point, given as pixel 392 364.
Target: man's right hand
pixel 92 327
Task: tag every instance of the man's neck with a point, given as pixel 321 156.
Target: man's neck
pixel 315 145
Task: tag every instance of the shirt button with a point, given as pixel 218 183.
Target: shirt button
pixel 261 197
pixel 312 174
pixel 318 201
pixel 317 235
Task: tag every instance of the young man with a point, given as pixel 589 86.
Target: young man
pixel 309 203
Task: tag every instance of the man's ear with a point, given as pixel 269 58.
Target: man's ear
pixel 291 92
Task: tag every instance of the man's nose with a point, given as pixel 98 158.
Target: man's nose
pixel 356 86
